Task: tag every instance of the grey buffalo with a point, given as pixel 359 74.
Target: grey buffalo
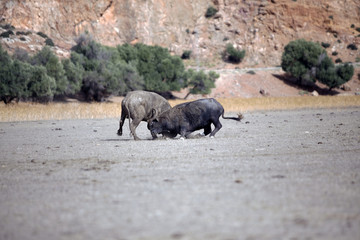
pixel 188 117
pixel 140 106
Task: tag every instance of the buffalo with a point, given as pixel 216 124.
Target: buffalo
pixel 188 117
pixel 140 106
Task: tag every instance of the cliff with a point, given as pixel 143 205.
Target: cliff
pixel 261 27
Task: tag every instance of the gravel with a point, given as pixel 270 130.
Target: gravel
pixel 274 175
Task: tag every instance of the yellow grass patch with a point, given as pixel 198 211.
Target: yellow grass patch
pixel 75 110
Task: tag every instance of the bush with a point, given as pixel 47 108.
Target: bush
pixel 186 54
pixel 54 69
pixel 6 34
pixel 21 55
pixel 74 74
pixel 93 87
pixel 107 70
pixel 210 12
pixel 325 45
pixel 233 55
pixel 352 46
pixel 41 34
pixel 41 87
pixel 335 76
pixel 8 27
pixel 49 42
pixel 200 82
pixel 338 60
pixel 161 71
pixel 300 59
pixel 334 53
pixel 308 61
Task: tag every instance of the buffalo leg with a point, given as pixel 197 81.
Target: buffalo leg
pixel 218 126
pixel 121 123
pixel 207 129
pixel 133 125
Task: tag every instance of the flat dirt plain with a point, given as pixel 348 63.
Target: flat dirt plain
pixel 274 175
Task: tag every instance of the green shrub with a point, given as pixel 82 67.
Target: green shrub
pixel 233 55
pixel 352 46
pixel 8 27
pixel 41 87
pixel 358 29
pixel 334 53
pixel 74 74
pixel 49 42
pixel 210 12
pixel 7 34
pixel 325 45
pixel 200 82
pixel 54 68
pixel 338 60
pixel 308 61
pixel 161 71
pixel 186 54
pixel 300 57
pixel 335 76
pixel 41 34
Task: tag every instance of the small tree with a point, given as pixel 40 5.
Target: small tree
pixel 300 59
pixel 233 55
pixel 186 54
pixel 308 61
pixel 54 68
pixel 211 11
pixel 41 87
pixel 200 82
pixel 74 74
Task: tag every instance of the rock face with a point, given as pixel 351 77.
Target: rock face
pixel 261 27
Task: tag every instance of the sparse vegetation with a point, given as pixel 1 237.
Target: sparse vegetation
pixel 7 34
pixel 7 26
pixel 43 35
pixel 210 12
pixel 186 54
pixel 352 47
pixel 338 60
pixel 325 45
pixel 49 42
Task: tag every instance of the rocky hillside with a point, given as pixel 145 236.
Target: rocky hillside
pixel 261 27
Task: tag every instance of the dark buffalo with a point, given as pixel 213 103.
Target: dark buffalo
pixel 141 106
pixel 186 118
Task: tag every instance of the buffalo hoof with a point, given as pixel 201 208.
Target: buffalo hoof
pixel 119 133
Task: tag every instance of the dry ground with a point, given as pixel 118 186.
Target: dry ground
pixel 275 175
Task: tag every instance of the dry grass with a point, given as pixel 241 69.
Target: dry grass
pixel 57 111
